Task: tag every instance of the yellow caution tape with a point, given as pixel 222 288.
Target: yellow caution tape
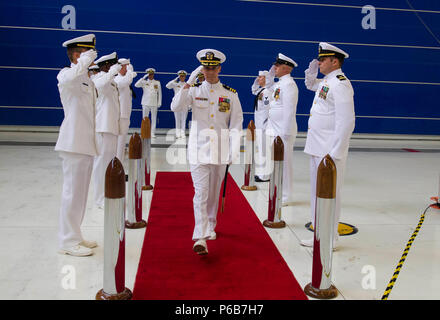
pixel 402 259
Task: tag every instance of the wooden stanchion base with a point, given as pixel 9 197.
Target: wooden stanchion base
pixel 329 293
pixel 135 225
pixel 124 295
pixel 274 225
pixel 249 188
pixel 149 187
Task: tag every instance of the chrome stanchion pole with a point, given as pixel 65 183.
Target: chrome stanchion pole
pixel 321 286
pixel 134 194
pixel 114 235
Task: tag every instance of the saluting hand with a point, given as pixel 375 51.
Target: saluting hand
pixel 313 68
pixel 90 54
pixel 192 78
pixel 114 69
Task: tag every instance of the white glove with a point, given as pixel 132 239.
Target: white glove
pixel 130 67
pixel 271 74
pixel 192 78
pixel 89 54
pixel 313 68
pixel 114 69
pixel 311 73
pixel 133 74
pixel 255 86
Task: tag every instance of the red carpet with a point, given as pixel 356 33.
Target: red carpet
pixel 242 264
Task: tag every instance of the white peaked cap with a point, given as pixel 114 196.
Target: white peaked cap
pixel 110 56
pixel 124 61
pixel 210 57
pixel 87 41
pixel 327 49
pixel 283 59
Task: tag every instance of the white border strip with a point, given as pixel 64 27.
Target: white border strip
pixel 221 37
pixel 242 76
pixel 248 113
pixel 338 6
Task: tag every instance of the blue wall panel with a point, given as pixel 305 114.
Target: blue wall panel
pixel 394 69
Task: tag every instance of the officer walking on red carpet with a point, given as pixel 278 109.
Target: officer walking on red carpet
pixel 214 140
pixel 76 143
pixel 331 121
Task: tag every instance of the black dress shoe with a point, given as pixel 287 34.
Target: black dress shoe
pixel 257 179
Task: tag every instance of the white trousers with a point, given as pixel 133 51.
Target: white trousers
pixel 180 118
pixel 124 124
pixel 262 167
pixel 145 112
pixel 106 144
pixel 77 170
pixel 207 180
pixel 340 168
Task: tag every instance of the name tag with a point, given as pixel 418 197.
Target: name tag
pixel 201 99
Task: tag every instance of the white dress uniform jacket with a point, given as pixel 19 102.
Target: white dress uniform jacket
pixel 78 96
pixel 76 146
pixel 331 124
pixel 261 117
pixel 125 94
pixel 332 117
pixel 125 100
pixel 152 92
pixel 215 107
pixel 261 113
pixel 180 116
pixel 282 123
pixel 107 105
pixel 282 112
pixel 176 85
pixel 216 117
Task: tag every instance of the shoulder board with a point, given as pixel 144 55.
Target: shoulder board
pixel 229 88
pixel 341 77
pixel 196 84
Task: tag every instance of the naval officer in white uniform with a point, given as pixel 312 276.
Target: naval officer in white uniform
pixel 331 122
pixel 262 90
pixel 151 97
pixel 282 119
pixel 180 116
pixel 76 143
pixel 107 120
pixel 123 80
pixel 214 140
